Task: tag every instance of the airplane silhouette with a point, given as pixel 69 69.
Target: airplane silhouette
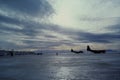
pixel 77 52
pixel 95 51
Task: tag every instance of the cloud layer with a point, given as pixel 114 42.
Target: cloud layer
pixel 24 26
pixel 29 7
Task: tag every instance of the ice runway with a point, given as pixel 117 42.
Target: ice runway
pixel 61 67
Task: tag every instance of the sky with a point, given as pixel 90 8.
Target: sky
pixel 59 24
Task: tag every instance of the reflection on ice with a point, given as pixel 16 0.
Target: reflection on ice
pixel 62 67
pixel 63 73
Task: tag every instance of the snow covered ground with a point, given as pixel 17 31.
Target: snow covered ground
pixel 61 67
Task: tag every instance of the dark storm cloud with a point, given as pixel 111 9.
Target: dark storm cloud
pixel 17 21
pixel 113 36
pixel 29 7
pixel 115 28
pixel 33 29
pixel 88 37
pixel 27 28
pixel 99 38
pixel 30 28
pixel 23 8
pixel 7 19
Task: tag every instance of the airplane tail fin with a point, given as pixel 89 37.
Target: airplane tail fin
pixel 88 48
pixel 71 50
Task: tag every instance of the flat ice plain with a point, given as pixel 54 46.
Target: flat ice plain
pixel 61 67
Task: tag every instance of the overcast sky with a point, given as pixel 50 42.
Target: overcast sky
pixel 59 24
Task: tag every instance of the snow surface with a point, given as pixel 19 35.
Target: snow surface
pixel 61 67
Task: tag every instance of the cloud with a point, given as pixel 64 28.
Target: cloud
pixel 99 38
pixel 28 34
pixel 27 27
pixel 115 28
pixel 45 36
pixel 10 45
pixel 23 26
pixel 8 19
pixel 20 20
pixel 95 19
pixel 91 37
pixel 29 7
pixel 22 14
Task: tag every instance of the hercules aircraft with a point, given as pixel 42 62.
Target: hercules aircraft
pixel 77 52
pixel 95 51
